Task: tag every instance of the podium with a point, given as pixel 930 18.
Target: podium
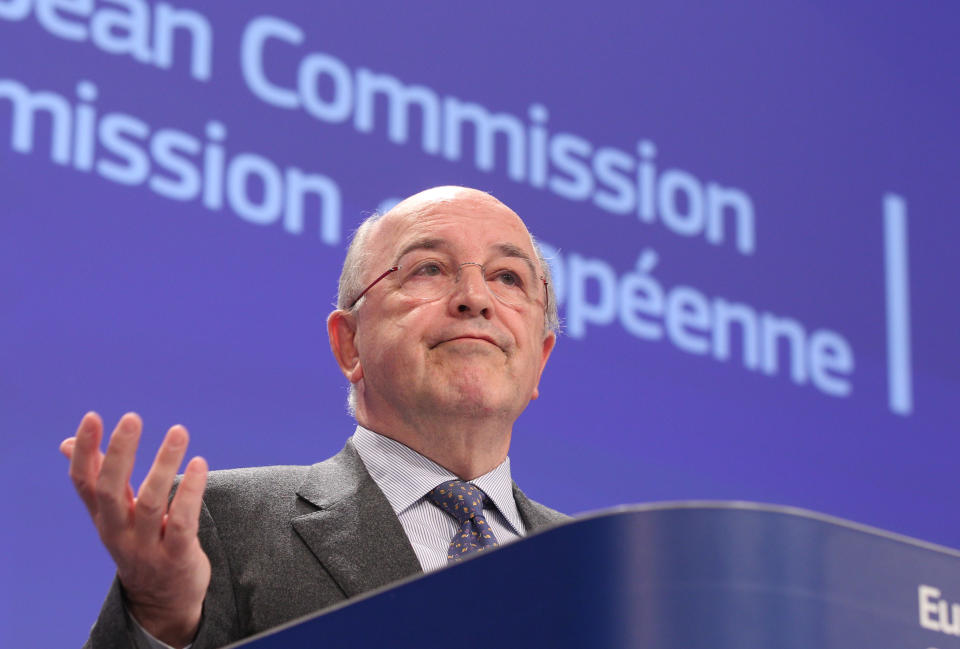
pixel 709 575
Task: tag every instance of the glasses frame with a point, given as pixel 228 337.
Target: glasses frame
pixel 546 291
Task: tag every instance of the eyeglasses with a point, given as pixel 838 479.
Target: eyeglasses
pixel 510 280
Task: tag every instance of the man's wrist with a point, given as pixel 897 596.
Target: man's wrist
pixel 171 629
pixel 142 638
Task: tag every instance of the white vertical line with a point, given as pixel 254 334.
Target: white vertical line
pixel 899 371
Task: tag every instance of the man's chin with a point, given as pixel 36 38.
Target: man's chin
pixel 474 393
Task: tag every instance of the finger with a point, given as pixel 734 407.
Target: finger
pixel 114 495
pixel 66 446
pixel 155 490
pixel 86 458
pixel 184 514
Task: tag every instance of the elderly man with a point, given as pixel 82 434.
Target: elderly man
pixel 444 324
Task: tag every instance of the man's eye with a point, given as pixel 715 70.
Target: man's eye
pixel 429 269
pixel 508 278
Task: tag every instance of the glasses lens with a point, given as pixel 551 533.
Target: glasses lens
pixel 509 279
pixel 425 278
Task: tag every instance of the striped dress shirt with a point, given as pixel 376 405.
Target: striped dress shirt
pixel 405 477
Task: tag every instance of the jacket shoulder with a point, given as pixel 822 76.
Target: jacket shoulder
pixel 535 515
pixel 254 480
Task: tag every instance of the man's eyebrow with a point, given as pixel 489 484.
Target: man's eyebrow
pixel 425 243
pixel 510 250
pixel 434 243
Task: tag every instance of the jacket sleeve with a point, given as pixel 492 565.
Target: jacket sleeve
pixel 219 625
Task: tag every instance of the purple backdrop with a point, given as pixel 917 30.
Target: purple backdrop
pixel 750 211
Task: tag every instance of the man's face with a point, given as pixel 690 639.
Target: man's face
pixel 465 352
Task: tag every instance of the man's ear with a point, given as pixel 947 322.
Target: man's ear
pixel 342 330
pixel 548 342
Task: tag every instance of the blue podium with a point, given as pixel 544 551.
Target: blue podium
pixel 680 575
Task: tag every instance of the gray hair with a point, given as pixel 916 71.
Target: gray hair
pixel 358 258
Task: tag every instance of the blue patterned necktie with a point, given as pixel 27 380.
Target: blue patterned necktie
pixel 464 501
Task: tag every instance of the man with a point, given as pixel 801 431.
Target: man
pixel 444 324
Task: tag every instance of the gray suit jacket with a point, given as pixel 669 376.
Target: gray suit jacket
pixel 285 541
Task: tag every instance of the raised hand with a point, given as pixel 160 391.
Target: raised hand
pixel 160 563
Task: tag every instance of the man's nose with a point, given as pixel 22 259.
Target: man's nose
pixel 471 294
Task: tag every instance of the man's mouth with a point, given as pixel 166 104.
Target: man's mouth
pixel 479 338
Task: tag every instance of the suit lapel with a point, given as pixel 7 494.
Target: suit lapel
pixel 354 532
pixel 535 516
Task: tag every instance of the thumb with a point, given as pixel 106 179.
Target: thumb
pixel 66 447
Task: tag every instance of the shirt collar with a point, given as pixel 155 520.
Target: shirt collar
pixel 405 476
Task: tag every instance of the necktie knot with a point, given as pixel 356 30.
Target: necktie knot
pixel 464 502
pixel 460 499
